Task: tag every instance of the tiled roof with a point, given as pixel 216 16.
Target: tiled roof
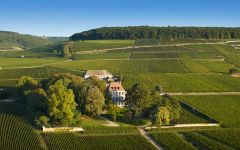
pixel 116 86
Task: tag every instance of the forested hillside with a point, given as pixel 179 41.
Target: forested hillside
pixel 146 32
pixel 13 39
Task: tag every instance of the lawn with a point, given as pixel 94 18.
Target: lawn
pixel 224 109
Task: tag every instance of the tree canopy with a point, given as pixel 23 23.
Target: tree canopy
pixel 147 32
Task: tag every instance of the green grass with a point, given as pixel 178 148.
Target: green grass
pixel 110 142
pixel 105 55
pixel 172 141
pixel 91 45
pixel 124 67
pixel 15 131
pixel 180 82
pixel 26 62
pixel 224 109
pixel 201 66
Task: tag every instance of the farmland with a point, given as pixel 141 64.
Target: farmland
pixel 220 112
pixel 189 68
pixel 92 45
pixel 124 67
pixel 187 82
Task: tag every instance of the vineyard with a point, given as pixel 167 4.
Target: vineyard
pixel 172 141
pixel 185 82
pixel 124 67
pixel 219 112
pixel 15 129
pixel 110 142
pixel 92 45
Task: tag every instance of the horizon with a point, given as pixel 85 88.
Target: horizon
pixel 66 18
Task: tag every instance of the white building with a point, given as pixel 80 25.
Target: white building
pixel 101 74
pixel 118 94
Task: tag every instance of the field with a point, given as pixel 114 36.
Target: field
pixel 186 82
pixel 201 66
pixel 15 129
pixel 215 106
pixel 92 45
pixel 177 68
pixel 26 62
pixel 124 67
pixel 110 142
pixel 102 55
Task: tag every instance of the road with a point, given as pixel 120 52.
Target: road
pixel 145 134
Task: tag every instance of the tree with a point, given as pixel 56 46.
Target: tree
pixel 113 109
pixel 233 71
pixel 94 81
pixel 42 121
pixel 162 116
pixel 139 99
pixel 26 83
pixel 36 101
pixel 62 106
pixel 94 101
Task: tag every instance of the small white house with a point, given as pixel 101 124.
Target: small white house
pixel 118 93
pixel 101 74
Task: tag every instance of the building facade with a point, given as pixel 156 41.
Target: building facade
pixel 117 93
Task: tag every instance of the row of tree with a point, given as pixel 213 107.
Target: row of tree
pixel 146 32
pixel 61 99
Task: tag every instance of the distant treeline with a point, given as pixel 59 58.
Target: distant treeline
pixel 146 32
pixel 26 41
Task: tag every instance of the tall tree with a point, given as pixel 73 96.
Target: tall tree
pixel 139 98
pixel 94 101
pixel 62 106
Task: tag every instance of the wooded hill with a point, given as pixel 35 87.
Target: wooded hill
pixel 24 41
pixel 147 32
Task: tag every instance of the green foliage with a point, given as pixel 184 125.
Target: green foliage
pixel 22 40
pixel 36 101
pixel 162 116
pixel 113 110
pixel 26 83
pixel 94 101
pixel 62 105
pixel 105 55
pixel 233 71
pixel 146 32
pixel 139 99
pixel 172 141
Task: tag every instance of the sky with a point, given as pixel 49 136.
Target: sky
pixel 66 17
